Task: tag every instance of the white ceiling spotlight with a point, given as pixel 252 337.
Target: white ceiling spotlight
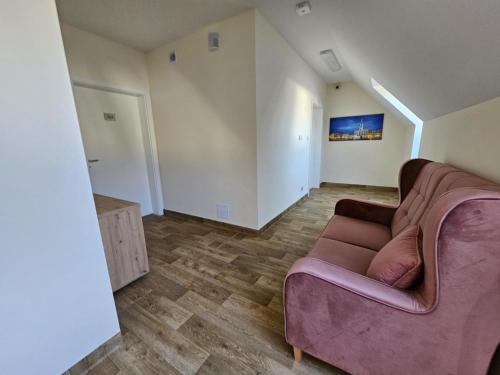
pixel 303 8
pixel 329 58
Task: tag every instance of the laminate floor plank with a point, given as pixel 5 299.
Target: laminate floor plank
pixel 239 327
pixel 256 312
pixel 250 291
pixel 222 365
pixel 105 367
pixel 165 310
pixel 213 300
pixel 213 338
pixel 136 358
pixel 185 356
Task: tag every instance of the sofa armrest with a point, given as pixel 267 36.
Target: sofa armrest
pixel 361 285
pixel 368 211
pixel 433 232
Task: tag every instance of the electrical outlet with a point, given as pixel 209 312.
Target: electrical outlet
pixel 222 212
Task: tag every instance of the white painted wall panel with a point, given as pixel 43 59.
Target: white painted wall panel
pixel 56 301
pixel 286 90
pixel 364 162
pixel 467 139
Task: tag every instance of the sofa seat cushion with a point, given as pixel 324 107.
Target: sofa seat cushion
pixel 351 257
pixel 398 263
pixel 357 232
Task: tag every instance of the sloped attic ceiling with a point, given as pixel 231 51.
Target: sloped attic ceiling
pixel 436 56
pixel 146 24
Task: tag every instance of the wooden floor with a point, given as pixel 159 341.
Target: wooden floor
pixel 212 303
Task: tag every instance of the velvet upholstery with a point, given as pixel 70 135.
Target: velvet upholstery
pixel 434 180
pixel 408 175
pixel 449 323
pixel 357 232
pixel 350 257
pixel 398 263
pixel 368 211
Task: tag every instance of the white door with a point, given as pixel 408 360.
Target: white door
pixel 111 130
pixel 315 148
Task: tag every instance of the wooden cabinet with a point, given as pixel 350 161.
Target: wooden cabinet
pixel 123 238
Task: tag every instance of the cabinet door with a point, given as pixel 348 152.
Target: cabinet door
pixel 123 238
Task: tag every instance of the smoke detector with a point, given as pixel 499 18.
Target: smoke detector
pixel 303 8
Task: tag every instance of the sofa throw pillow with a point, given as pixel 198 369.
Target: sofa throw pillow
pixel 398 263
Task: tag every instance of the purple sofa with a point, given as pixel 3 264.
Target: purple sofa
pixel 448 323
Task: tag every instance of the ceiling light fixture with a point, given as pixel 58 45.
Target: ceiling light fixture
pixel 329 58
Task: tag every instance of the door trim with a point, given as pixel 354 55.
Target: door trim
pixel 148 137
pixel 317 108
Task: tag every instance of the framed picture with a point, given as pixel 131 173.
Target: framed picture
pixel 357 128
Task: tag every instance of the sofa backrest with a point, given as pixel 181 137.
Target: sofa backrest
pixel 434 180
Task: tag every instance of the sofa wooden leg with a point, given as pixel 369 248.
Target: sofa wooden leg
pixel 297 353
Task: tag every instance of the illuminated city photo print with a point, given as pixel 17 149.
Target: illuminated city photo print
pixel 357 128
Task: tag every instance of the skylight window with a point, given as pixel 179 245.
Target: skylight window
pixel 419 124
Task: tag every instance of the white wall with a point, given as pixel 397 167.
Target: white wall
pixel 94 58
pixel 467 139
pixel 97 61
pixel 363 162
pixel 316 146
pixel 228 122
pixel 286 90
pixel 56 300
pixel 204 111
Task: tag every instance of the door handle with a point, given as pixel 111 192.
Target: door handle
pixel 93 160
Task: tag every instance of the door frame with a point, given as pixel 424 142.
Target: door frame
pixel 148 137
pixel 316 108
